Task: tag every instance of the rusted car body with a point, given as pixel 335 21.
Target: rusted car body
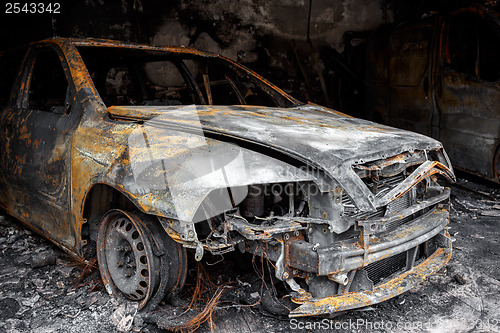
pixel 139 153
pixel 440 76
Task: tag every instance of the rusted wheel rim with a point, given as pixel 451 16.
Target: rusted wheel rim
pixel 126 259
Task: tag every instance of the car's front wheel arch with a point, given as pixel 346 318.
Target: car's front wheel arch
pixel 104 204
pixel 100 198
pixel 137 259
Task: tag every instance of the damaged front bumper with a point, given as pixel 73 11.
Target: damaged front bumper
pixel 422 245
pixel 380 293
pixel 344 256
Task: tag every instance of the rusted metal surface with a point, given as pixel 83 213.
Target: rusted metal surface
pixel 157 170
pixel 382 292
pixel 255 232
pixel 440 77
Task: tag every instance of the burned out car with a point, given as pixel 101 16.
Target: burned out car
pixel 141 154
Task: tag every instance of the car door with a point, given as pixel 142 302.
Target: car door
pixel 468 91
pixel 38 130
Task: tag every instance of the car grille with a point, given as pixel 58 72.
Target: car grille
pixel 385 267
pixel 401 203
pixel 349 207
pixel 380 270
pixel 351 210
pixel 396 224
pixel 384 185
pixel 396 206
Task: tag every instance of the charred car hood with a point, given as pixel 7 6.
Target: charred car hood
pixel 312 133
pixel 318 137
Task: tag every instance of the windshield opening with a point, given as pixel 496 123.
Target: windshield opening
pixel 133 76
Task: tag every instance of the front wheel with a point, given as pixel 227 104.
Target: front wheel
pixel 137 259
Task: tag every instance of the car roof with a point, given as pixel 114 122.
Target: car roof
pixel 97 42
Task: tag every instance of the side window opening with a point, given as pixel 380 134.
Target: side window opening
pixel 119 87
pixel 149 83
pixel 214 86
pixel 168 84
pixel 49 90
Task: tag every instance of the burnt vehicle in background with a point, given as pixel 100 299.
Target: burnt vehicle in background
pixel 141 154
pixel 440 76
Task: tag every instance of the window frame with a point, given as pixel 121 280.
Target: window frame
pixel 23 98
pixel 283 100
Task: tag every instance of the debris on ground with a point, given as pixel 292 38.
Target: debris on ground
pixel 43 259
pixel 124 316
pixel 43 290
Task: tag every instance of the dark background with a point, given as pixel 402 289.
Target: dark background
pixel 269 37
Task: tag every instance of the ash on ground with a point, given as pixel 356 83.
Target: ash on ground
pixel 43 290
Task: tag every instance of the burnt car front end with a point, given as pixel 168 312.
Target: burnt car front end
pixel 385 251
pixel 332 254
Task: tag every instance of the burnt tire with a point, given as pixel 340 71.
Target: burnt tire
pixel 137 259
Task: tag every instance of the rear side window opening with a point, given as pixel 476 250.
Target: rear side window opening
pixel 127 76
